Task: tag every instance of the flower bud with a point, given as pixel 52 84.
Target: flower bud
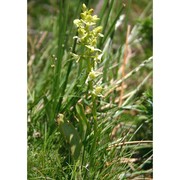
pixel 84 8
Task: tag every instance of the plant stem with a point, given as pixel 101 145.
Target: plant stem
pixel 94 112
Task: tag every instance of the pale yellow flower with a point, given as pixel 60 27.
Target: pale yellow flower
pixel 98 91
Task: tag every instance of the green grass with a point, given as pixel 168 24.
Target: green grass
pixel 98 138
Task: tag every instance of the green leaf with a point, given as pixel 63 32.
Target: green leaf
pixel 83 121
pixel 71 136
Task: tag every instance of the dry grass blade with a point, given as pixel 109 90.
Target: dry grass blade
pixel 115 84
pixel 128 143
pixel 124 65
pixel 42 38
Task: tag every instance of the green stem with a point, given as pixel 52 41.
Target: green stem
pixel 94 112
pixel 95 127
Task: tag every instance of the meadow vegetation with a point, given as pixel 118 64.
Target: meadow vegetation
pixel 90 100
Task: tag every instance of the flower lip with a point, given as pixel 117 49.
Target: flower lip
pixel 92 48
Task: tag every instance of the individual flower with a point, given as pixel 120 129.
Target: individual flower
pixel 98 91
pixel 97 31
pixel 77 22
pixel 89 20
pixel 75 56
pixel 98 58
pixel 92 75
